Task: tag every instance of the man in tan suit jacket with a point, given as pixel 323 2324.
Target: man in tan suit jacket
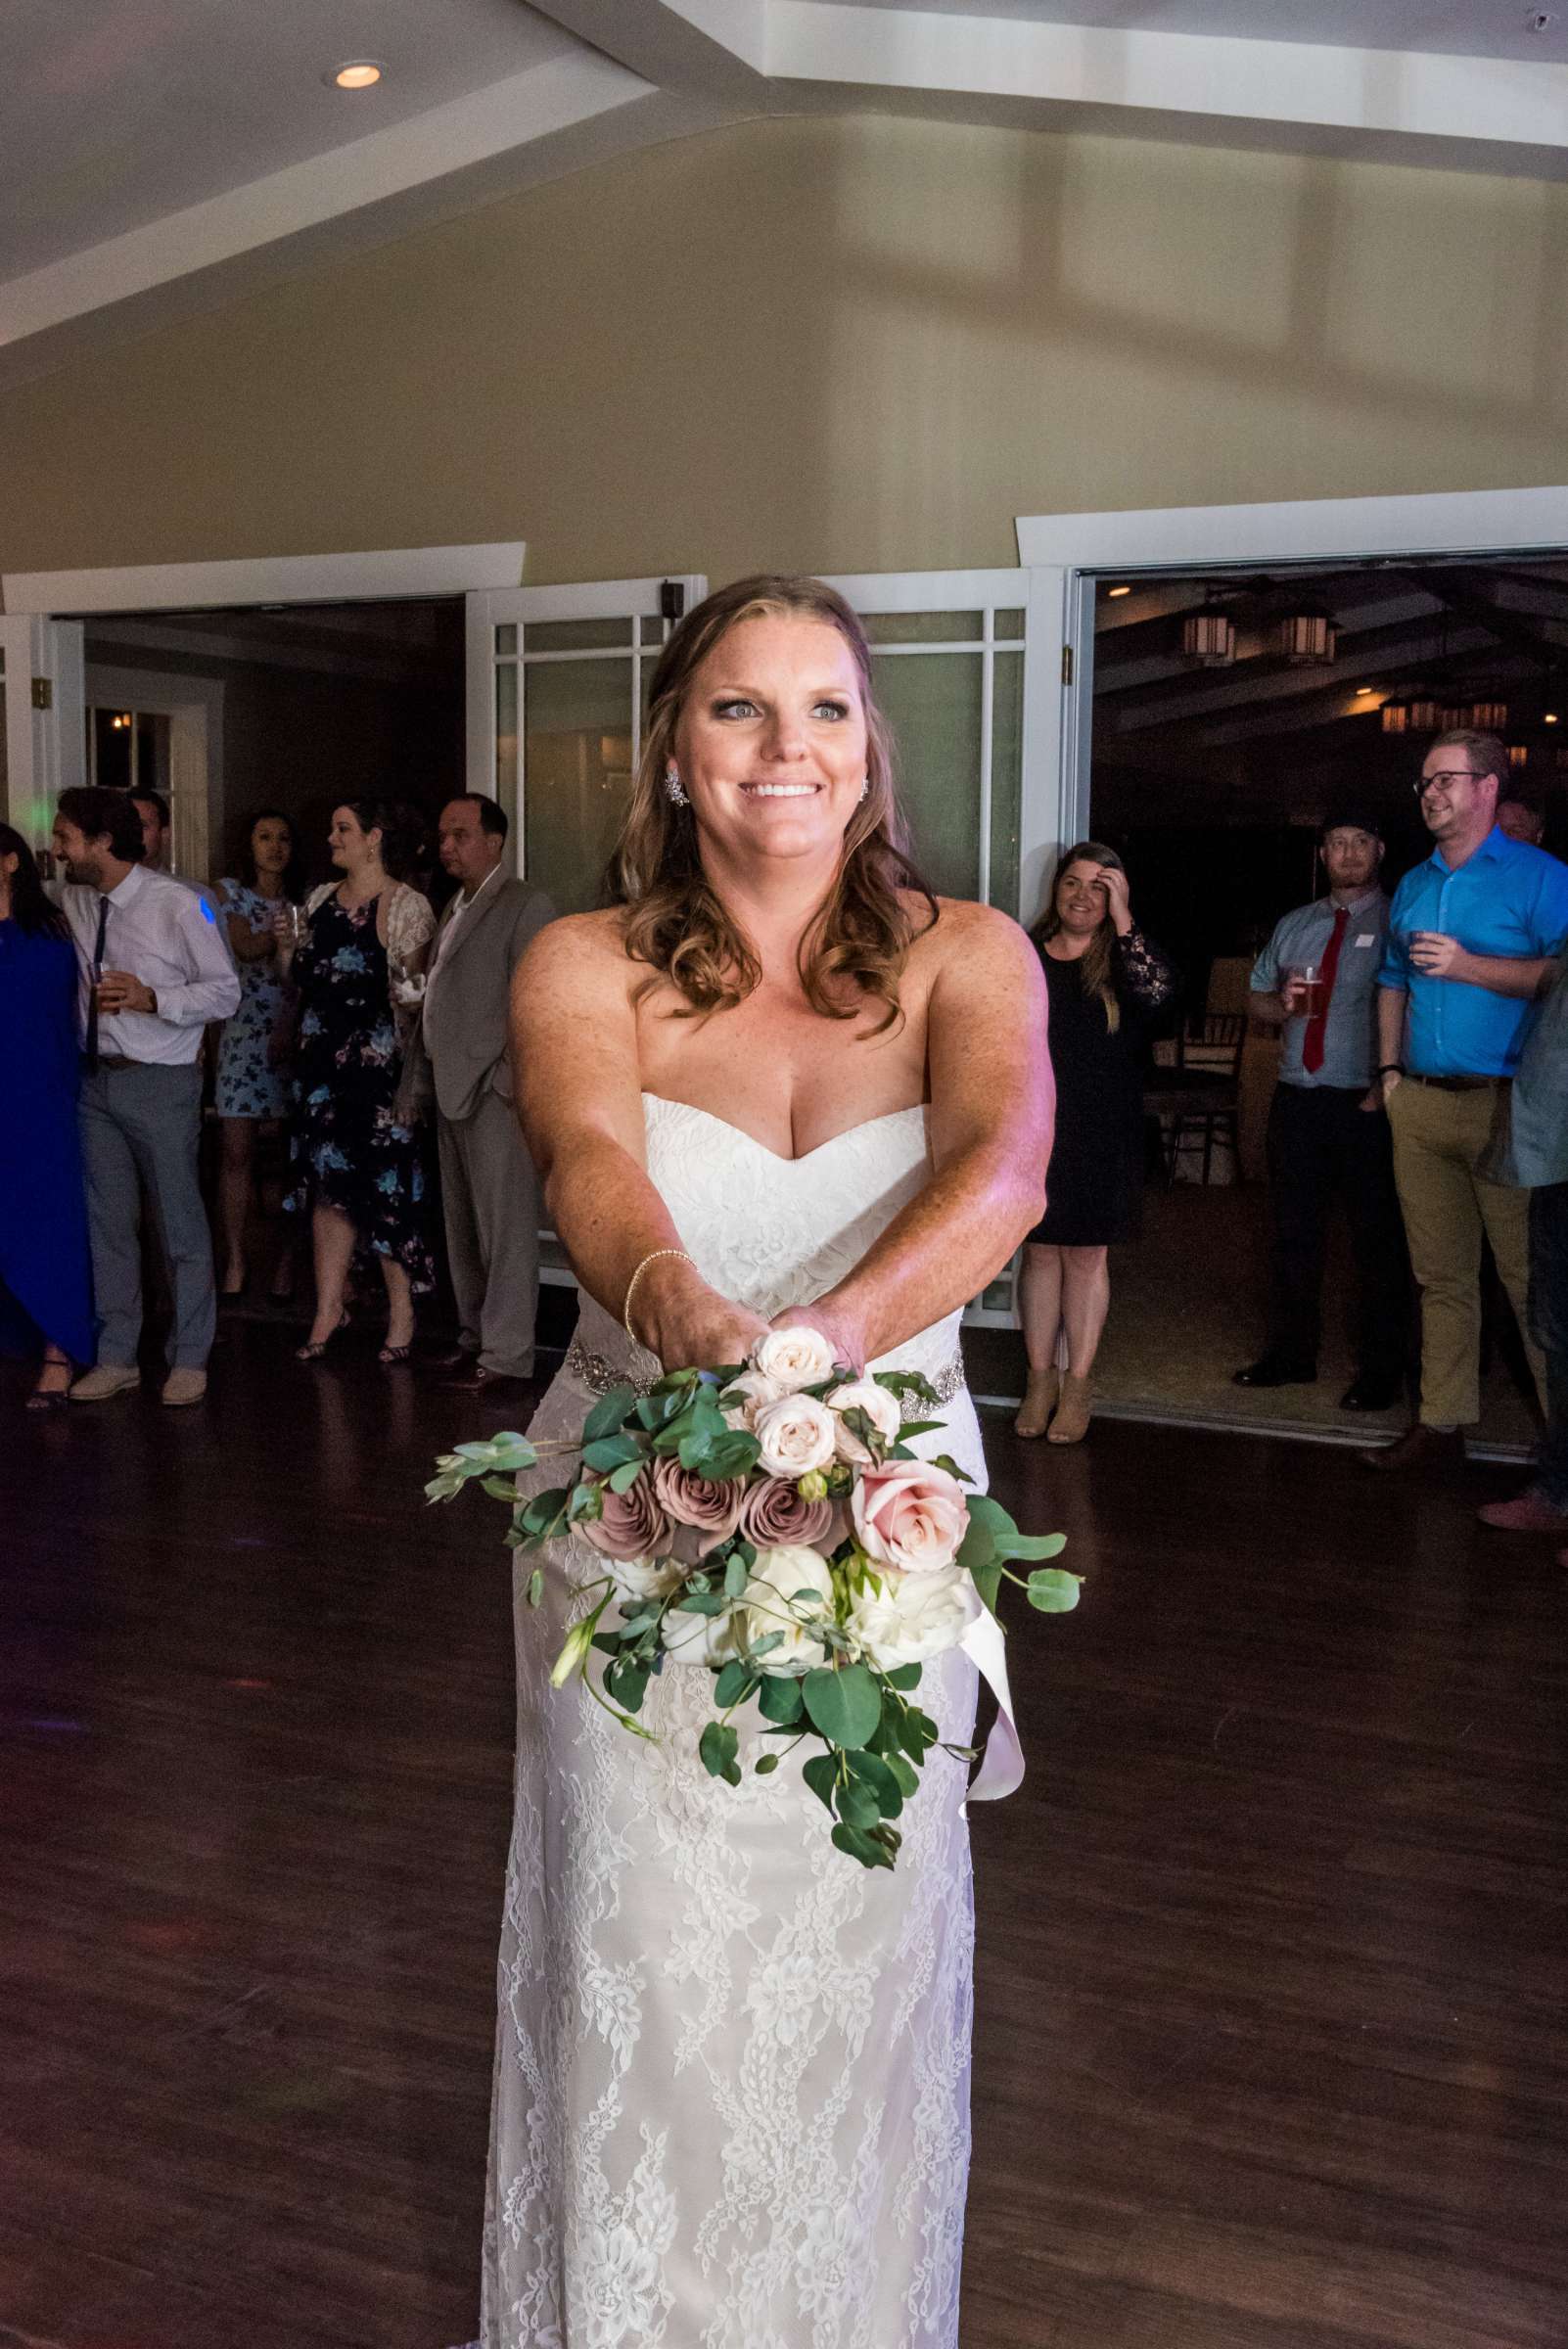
pixel 459 1058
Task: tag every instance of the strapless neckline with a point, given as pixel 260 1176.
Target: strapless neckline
pixel 916 1109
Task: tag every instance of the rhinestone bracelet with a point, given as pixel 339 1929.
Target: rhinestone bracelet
pixel 599 1374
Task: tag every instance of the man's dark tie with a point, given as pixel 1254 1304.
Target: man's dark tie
pixel 1313 1042
pixel 96 974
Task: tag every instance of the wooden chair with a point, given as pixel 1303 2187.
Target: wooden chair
pixel 1197 1100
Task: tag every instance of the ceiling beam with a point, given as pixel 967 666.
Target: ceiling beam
pixel 715 48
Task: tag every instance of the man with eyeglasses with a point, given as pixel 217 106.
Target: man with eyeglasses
pixel 1473 936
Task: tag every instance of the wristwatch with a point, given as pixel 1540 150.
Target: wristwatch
pixel 1392 1068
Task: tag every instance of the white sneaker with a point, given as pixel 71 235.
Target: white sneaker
pixel 184 1386
pixel 106 1379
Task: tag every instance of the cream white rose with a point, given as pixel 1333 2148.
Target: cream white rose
pixel 745 1397
pixel 797 1434
pixel 770 1605
pixel 697 1638
pixel 638 1579
pixel 794 1358
pixel 883 1410
pixel 913 1617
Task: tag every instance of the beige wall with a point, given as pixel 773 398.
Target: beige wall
pixel 848 343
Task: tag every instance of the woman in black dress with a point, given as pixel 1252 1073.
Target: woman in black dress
pixel 356 1164
pixel 1106 981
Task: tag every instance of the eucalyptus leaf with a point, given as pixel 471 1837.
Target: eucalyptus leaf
pixel 1031 1546
pixel 736 1578
pixel 544 1508
pixel 621 1479
pixel 904 1677
pixel 716 1747
pixel 500 1488
pixel 701 1602
pixel 859 1806
pixel 945 1459
pixel 767 1764
pixel 734 1682
pixel 821 1775
pixel 905 1772
pixel 586 1504
pixel 779 1700
pixel 880 1781
pixel 536 1587
pixel 860 1846
pixel 610 1412
pixel 1053 1592
pixel 611 1452
pixel 843 1705
pixel 766 1645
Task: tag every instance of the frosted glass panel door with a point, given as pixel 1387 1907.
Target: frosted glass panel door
pixel 558 680
pixel 947 652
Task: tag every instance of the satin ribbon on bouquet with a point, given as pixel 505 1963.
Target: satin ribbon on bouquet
pixel 1001 1766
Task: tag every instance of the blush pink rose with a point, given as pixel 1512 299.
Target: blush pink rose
pixel 773 1516
pixel 909 1515
pixel 709 1508
pixel 632 1524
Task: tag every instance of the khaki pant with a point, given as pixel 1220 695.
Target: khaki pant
pixel 490 1202
pixel 1437 1138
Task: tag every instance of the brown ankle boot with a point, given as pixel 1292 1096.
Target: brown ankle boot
pixel 1071 1423
pixel 1040 1401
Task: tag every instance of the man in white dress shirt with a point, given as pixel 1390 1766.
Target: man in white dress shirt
pixel 152 970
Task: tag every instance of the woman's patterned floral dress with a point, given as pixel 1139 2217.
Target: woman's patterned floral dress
pixel 348 1149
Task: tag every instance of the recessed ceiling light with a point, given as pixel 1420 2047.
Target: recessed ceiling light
pixel 359 74
pixel 1551 717
pixel 1118 590
pixel 1362 691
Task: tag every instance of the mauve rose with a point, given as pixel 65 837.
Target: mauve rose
pixel 711 1509
pixel 909 1515
pixel 632 1524
pixel 773 1516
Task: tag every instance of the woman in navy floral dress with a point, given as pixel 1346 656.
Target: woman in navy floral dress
pixel 253 1092
pixel 356 1167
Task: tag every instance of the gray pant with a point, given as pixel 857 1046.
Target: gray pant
pixel 140 1127
pixel 490 1201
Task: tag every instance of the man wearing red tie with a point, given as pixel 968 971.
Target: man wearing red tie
pixel 1328 1134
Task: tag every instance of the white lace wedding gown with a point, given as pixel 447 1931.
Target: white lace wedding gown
pixel 732 2102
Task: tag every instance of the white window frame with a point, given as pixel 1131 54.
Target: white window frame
pixel 635 600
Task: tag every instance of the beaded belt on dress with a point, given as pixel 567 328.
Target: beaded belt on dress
pixel 599 1374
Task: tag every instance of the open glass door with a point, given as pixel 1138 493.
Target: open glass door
pixel 558 682
pixel 42 693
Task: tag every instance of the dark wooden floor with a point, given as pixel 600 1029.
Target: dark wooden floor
pixel 1273 1962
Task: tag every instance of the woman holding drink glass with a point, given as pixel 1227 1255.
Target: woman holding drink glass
pixel 356 1165
pixel 252 1093
pixel 1105 982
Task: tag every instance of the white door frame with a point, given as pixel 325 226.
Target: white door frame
pixel 1067 553
pixel 194 708
pixel 41 633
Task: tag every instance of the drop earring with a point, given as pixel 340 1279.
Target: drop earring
pixel 865 787
pixel 674 792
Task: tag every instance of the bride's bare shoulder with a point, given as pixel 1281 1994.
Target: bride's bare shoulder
pixel 585 951
pixel 965 932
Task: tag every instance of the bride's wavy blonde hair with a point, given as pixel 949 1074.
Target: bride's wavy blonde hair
pixel 674 920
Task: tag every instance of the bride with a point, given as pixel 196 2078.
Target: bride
pixel 777 1082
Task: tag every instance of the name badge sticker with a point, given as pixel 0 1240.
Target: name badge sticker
pixel 1368 937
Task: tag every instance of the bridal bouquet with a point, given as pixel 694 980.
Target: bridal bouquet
pixel 769 1522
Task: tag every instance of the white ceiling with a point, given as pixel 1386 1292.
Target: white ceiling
pixel 1436 27
pixel 159 156
pixel 114 113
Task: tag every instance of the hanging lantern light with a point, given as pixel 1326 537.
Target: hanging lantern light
pixel 1396 716
pixel 1308 637
pixel 1209 637
pixel 1518 754
pixel 1488 718
pixel 1424 717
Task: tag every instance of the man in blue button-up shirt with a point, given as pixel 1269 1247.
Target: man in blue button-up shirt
pixel 1472 937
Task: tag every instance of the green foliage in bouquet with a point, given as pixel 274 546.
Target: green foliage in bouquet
pixel 857 1702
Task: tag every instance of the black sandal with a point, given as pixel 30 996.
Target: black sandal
pixel 50 1398
pixel 314 1348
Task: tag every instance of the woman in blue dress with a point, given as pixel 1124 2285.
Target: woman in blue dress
pixel 254 1095
pixel 45 1269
